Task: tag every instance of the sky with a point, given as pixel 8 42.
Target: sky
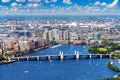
pixel 59 7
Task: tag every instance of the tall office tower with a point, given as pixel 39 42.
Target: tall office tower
pixel 45 35
pixel 12 24
pixel 50 35
pixel 63 35
pixel 66 35
pixel 55 34
pixel 95 36
pixel 60 35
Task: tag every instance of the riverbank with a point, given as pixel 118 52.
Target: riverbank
pixel 113 67
pixel 6 62
pixel 34 50
pixel 21 54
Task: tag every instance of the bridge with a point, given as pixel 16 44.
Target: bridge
pixel 61 56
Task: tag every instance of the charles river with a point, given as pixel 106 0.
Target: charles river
pixel 69 69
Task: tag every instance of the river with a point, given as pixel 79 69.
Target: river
pixel 70 69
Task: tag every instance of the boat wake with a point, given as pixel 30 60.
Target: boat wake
pixel 55 46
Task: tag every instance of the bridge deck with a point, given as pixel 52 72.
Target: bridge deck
pixel 59 55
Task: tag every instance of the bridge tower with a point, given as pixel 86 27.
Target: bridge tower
pixel 110 55
pixel 18 58
pixel 100 55
pixel 49 57
pixel 90 56
pixel 38 57
pixel 61 55
pixel 77 55
pixel 27 58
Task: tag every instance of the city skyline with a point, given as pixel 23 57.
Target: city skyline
pixel 59 7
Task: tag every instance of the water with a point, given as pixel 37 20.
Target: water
pixel 83 69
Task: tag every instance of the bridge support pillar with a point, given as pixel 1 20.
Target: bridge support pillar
pixel 18 58
pixel 100 55
pixel 49 57
pixel 27 58
pixel 110 55
pixel 90 56
pixel 77 55
pixel 61 56
pixel 38 58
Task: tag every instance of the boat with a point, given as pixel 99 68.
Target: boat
pixel 119 61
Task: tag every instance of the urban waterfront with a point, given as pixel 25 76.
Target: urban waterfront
pixel 69 69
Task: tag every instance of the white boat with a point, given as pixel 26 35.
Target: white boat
pixel 55 46
pixel 84 46
pixel 115 76
pixel 118 60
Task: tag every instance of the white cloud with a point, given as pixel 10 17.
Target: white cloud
pixel 5 1
pixel 54 1
pixel 35 5
pixel 97 3
pixel 112 5
pixel 103 4
pixel 34 0
pixel 14 4
pixel 50 1
pixel 29 5
pixel 67 2
pixel 20 0
pixel 115 2
pixel 32 5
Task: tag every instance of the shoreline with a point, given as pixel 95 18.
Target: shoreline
pixel 113 67
pixel 27 52
pixel 6 62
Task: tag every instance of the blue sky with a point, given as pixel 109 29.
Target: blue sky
pixel 60 7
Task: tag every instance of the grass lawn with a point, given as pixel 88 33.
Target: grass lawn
pixel 102 49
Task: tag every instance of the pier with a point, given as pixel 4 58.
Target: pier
pixel 61 56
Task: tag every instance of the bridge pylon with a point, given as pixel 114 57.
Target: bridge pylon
pixel 77 55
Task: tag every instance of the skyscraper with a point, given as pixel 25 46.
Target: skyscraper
pixel 63 35
pixel 12 24
pixel 50 35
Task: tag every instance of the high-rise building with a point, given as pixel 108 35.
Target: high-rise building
pixel 60 35
pixel 45 35
pixel 63 35
pixel 66 35
pixel 50 35
pixel 12 24
pixel 55 34
pixel 95 36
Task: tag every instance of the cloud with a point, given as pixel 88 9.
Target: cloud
pixel 103 4
pixel 32 5
pixel 115 2
pixel 34 0
pixel 54 1
pixel 20 0
pixel 50 1
pixel 112 5
pixel 67 2
pixel 5 1
pixel 35 5
pixel 14 4
pixel 97 3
